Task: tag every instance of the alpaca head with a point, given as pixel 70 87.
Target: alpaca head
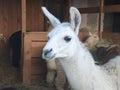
pixel 92 40
pixel 63 39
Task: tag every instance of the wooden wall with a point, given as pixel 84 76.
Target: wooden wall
pixel 35 18
pixel 10 16
pixel 34 67
pixel 10 21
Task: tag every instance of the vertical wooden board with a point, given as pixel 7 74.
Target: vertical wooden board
pixel 10 22
pixel 23 15
pixel 5 17
pixel 100 28
pixel 28 12
pixel 19 17
pixel 27 60
pixel 69 3
pixel 35 19
pixel 38 66
pixel 33 65
pixel 41 16
pixel 38 70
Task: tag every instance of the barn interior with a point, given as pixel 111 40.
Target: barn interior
pixel 26 70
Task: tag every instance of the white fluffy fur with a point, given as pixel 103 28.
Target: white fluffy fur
pixel 76 60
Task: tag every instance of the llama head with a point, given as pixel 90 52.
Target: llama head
pixel 92 40
pixel 63 39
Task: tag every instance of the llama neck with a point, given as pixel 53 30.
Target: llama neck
pixel 78 66
pixel 81 71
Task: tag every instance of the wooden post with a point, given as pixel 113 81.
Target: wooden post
pixel 67 9
pixel 23 3
pixel 100 28
pixel 25 58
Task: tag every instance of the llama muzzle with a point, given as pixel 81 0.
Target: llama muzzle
pixel 48 54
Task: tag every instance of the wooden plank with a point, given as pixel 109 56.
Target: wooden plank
pixel 38 67
pixel 23 15
pixel 100 29
pixel 10 16
pixel 33 42
pixel 35 18
pixel 28 13
pixel 69 3
pixel 89 10
pixel 37 36
pixel 27 60
pixel 106 9
pixel 112 8
pixel 37 49
pixel 37 61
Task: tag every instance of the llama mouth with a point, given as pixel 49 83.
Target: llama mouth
pixel 49 57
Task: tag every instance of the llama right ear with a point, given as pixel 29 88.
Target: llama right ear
pixel 75 19
pixel 53 20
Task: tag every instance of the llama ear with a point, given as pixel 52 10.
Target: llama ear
pixel 75 19
pixel 53 20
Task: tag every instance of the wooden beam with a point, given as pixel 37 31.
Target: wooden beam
pixel 27 60
pixel 89 10
pixel 100 29
pixel 69 3
pixel 112 8
pixel 106 9
pixel 24 59
pixel 23 3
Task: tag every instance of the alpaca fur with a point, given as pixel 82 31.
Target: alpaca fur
pixel 55 75
pixel 77 62
pixel 92 40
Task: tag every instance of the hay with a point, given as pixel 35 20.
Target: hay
pixel 10 77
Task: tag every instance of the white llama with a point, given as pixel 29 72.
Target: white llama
pixel 77 62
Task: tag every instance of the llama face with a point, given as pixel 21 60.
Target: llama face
pixel 61 43
pixel 63 40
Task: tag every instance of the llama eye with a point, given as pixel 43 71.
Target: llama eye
pixel 48 38
pixel 67 38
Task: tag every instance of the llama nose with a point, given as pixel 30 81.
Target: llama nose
pixel 47 51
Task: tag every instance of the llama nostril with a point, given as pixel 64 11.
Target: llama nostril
pixel 47 51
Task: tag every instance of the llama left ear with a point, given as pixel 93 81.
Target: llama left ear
pixel 53 20
pixel 75 19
